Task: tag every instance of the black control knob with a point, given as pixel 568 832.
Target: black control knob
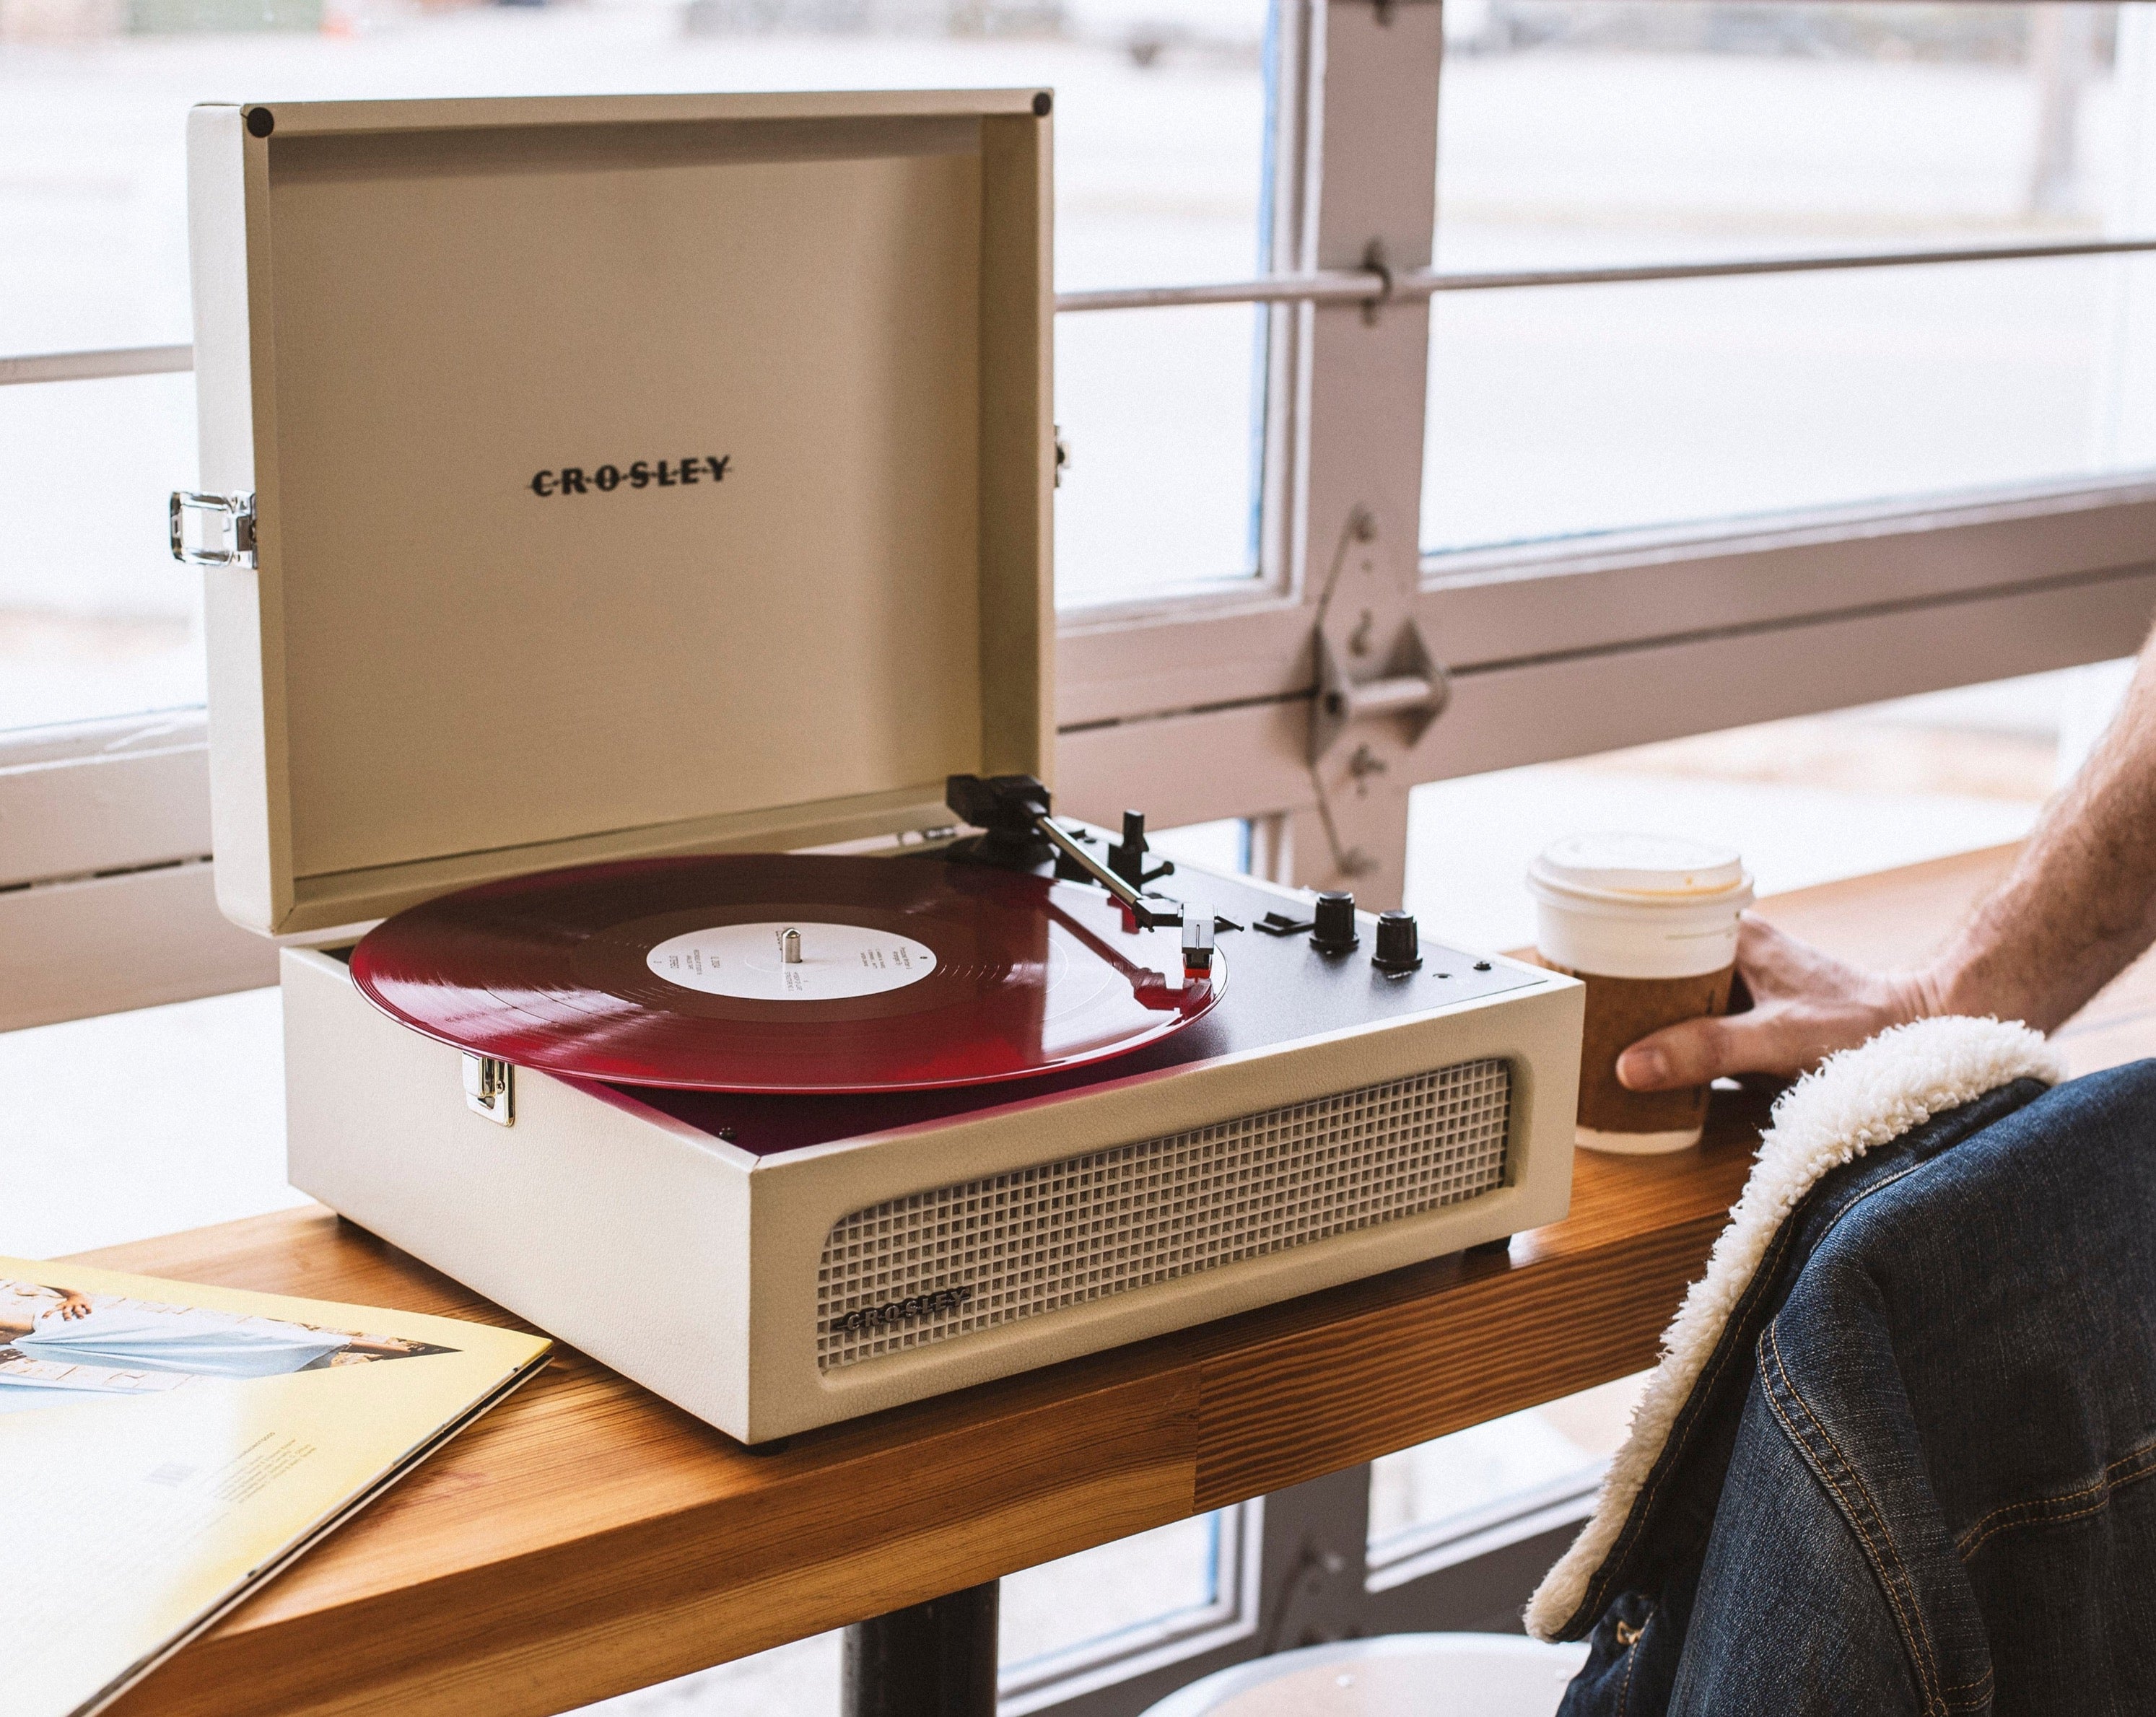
pixel 1332 930
pixel 1397 949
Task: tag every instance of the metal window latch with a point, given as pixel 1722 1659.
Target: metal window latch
pixel 1412 685
pixel 1375 261
pixel 491 1089
pixel 234 514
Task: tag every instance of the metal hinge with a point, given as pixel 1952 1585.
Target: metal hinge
pixel 235 513
pixel 1412 685
pixel 491 1089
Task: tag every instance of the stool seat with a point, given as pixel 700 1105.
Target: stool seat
pixel 1397 1675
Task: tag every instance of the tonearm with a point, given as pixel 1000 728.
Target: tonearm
pixel 1013 812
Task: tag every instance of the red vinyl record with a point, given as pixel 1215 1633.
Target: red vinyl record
pixel 782 973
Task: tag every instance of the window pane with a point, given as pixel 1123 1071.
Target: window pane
pixel 1805 800
pixel 1159 123
pixel 1608 131
pixel 1160 141
pixel 96 617
pixel 1223 846
pixel 88 1166
pixel 1602 133
pixel 1159 178
pixel 1159 409
pixel 1569 410
pixel 1458 1483
pixel 1091 1597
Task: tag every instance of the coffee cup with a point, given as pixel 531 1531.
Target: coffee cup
pixel 1648 923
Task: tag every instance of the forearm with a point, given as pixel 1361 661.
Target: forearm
pixel 2079 903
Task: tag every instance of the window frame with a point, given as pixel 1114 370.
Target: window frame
pixel 107 889
pixel 1622 641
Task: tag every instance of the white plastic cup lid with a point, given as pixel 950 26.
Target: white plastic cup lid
pixel 1657 868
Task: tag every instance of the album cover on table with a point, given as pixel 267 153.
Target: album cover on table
pixel 172 1446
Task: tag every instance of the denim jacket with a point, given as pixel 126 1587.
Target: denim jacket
pixel 1905 1477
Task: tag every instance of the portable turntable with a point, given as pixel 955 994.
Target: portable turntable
pixel 682 948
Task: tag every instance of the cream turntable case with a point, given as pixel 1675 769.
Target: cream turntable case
pixel 587 481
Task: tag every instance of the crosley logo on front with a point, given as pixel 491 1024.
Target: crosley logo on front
pixel 641 474
pixel 900 1311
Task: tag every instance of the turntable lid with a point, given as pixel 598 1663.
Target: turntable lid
pixel 632 475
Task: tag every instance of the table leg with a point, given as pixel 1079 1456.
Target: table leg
pixel 936 1659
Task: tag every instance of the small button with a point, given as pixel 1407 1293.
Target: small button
pixel 1481 965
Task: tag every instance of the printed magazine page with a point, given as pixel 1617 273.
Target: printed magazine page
pixel 172 1445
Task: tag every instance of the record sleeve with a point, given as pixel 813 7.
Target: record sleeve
pixel 177 1446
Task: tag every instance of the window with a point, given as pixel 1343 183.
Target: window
pixel 1161 151
pixel 1617 134
pixel 1096 1619
pixel 94 618
pixel 1444 1503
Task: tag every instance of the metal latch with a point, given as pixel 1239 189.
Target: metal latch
pixel 1412 685
pixel 235 517
pixel 491 1089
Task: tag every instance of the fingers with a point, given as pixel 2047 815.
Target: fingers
pixel 1785 1039
pixel 1689 1053
pixel 1771 966
pixel 1787 1036
pixel 1773 962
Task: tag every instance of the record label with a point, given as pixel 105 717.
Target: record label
pixel 830 962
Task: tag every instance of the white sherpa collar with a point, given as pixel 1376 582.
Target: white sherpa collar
pixel 1859 1098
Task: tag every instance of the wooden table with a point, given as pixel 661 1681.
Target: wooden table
pixel 587 1538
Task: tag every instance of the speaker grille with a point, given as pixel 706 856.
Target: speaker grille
pixel 946 1263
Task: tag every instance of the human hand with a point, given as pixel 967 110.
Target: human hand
pixel 72 1305
pixel 1806 1004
